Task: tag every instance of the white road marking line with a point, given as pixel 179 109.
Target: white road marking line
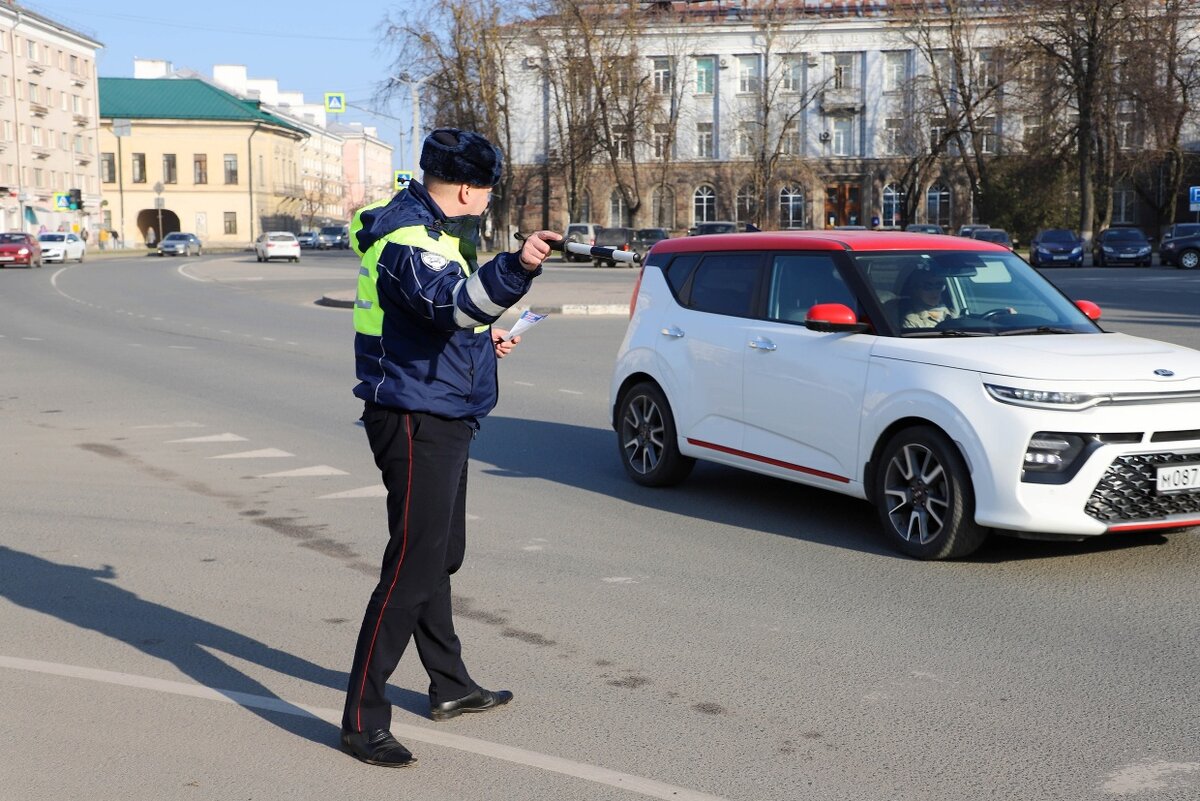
pixel 619 580
pixel 523 384
pixel 226 437
pixel 473 517
pixel 629 782
pixel 263 453
pixel 136 345
pixel 182 347
pixel 570 392
pixel 185 424
pixel 33 339
pixel 182 270
pixel 305 472
pixel 375 491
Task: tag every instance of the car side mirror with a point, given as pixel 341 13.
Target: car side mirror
pixel 834 318
pixel 1090 309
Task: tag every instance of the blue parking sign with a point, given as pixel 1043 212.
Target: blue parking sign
pixel 1194 198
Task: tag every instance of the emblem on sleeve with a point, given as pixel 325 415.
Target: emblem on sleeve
pixel 433 261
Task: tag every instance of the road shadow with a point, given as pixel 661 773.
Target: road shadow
pixel 89 599
pixel 587 459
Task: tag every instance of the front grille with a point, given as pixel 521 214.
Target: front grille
pixel 1126 492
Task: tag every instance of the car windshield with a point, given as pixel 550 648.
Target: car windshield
pixel 10 239
pixel 1124 235
pixel 951 293
pixel 1057 235
pixel 992 236
pixel 52 238
pixel 176 238
pixel 1186 230
pixel 716 228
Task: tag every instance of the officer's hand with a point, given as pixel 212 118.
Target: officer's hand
pixel 503 348
pixel 535 250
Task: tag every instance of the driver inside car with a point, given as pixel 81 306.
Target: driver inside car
pixel 924 305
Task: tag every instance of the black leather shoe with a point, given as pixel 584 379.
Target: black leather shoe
pixel 479 701
pixel 377 747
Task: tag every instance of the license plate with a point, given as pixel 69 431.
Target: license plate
pixel 1175 478
pixel 1059 258
pixel 6 258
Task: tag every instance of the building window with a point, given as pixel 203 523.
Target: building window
pixel 937 205
pixel 749 74
pixel 1126 132
pixel 618 211
pixel 793 74
pixel 704 140
pixel 662 76
pixel 989 136
pixel 893 207
pixel 937 136
pixel 231 222
pixel 108 168
pixel 139 168
pixel 745 206
pixel 893 128
pixel 662 141
pixel 895 71
pixel 705 70
pixel 662 202
pixel 231 168
pixel 1033 125
pixel 200 168
pixel 789 143
pixel 620 143
pixel 988 69
pixel 704 205
pixel 791 207
pixel 170 173
pixel 1124 204
pixel 745 138
pixel 843 70
pixel 843 136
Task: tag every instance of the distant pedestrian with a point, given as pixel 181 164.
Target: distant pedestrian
pixel 150 237
pixel 83 234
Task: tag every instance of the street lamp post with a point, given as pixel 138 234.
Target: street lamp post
pixel 414 86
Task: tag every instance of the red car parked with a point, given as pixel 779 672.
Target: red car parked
pixel 20 249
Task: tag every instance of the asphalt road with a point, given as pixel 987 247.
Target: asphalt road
pixel 190 524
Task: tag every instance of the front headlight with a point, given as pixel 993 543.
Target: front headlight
pixel 1107 249
pixel 1144 251
pixel 1078 249
pixel 1043 250
pixel 1051 452
pixel 23 252
pixel 1044 399
pixel 1168 246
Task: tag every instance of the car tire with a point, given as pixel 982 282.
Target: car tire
pixel 647 440
pixel 1189 259
pixel 922 492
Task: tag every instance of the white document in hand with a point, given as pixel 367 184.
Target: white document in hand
pixel 526 321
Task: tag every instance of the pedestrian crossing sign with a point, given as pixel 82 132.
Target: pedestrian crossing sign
pixel 62 201
pixel 402 177
pixel 335 102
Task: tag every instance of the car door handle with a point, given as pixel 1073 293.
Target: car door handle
pixel 673 331
pixel 761 343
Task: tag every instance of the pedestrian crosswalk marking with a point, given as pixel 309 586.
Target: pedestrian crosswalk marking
pixel 226 437
pixel 305 472
pixel 374 491
pixel 263 453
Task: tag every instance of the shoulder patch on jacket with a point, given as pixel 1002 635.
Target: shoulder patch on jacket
pixel 434 261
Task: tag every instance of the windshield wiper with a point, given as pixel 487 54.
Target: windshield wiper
pixel 1041 329
pixel 949 332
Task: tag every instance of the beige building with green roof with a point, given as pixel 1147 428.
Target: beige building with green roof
pixel 179 154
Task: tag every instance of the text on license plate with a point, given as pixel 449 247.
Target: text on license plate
pixel 1183 477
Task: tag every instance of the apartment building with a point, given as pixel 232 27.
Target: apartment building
pixel 48 124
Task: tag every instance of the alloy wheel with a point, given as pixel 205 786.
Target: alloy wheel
pixel 918 497
pixel 642 434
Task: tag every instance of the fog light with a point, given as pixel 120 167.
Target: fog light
pixel 1050 452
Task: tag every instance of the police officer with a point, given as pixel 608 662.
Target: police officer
pixel 426 362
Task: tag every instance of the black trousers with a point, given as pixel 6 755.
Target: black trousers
pixel 424 464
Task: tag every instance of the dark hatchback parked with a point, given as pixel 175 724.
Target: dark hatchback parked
pixel 1121 246
pixel 1058 247
pixel 1181 246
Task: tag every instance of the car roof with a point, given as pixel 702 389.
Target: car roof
pixel 859 241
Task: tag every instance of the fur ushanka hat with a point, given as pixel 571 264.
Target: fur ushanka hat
pixel 461 157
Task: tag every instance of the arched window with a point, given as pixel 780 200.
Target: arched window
pixel 663 205
pixel 704 205
pixel 746 208
pixel 791 207
pixel 618 212
pixel 893 207
pixel 937 205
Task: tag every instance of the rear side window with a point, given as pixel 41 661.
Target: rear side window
pixel 802 280
pixel 679 270
pixel 725 284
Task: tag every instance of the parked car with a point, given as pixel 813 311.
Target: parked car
pixel 277 245
pixel 619 237
pixel 179 243
pixel 307 239
pixel 58 246
pixel 18 248
pixel 996 235
pixel 1059 247
pixel 647 237
pixel 785 353
pixel 1121 246
pixel 969 229
pixel 924 228
pixel 333 236
pixel 583 233
pixel 706 228
pixel 1181 246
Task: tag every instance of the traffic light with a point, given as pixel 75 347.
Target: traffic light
pixel 74 199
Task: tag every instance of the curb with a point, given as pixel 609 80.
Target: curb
pixel 345 301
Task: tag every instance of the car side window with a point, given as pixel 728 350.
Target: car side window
pixel 802 280
pixel 725 284
pixel 679 270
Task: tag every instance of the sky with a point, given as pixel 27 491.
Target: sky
pixel 308 46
